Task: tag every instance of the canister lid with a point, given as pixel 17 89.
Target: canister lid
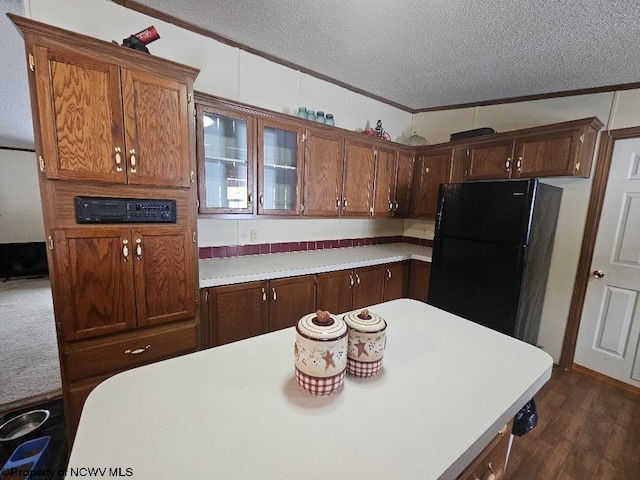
pixel 322 326
pixel 365 321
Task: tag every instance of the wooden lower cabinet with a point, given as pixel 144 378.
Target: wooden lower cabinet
pixel 245 310
pixel 492 460
pixel 419 273
pixel 346 290
pixel 89 362
pixel 396 280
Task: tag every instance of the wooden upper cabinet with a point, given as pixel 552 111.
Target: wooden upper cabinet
pixel 280 162
pixel 290 299
pixel 404 179
pixel 81 116
pixel 226 155
pixel 552 154
pixel 385 183
pixel 432 169
pixel 323 173
pixel 157 146
pixel 104 123
pixel 490 160
pixel 164 274
pixel 359 165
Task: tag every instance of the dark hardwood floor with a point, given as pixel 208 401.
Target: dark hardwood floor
pixel 587 429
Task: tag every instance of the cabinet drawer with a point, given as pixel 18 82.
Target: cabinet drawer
pixel 491 460
pixel 121 352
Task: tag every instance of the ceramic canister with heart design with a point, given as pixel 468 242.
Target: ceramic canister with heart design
pixel 320 352
pixel 367 341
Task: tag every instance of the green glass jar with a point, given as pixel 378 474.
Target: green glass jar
pixel 311 115
pixel 328 119
pixel 302 112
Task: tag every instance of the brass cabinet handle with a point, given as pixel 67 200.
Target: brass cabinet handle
pixel 264 295
pixel 137 351
pixel 118 151
pixel 261 199
pixel 396 206
pixel 273 291
pixel 250 199
pixel 390 206
pixel 125 250
pixel 357 279
pixel 351 282
pixel 598 273
pixel 519 164
pixel 508 164
pixel 138 249
pixel 337 203
pixel 344 203
pixel 132 159
pixel 388 274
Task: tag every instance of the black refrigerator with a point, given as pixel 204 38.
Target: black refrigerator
pixel 491 252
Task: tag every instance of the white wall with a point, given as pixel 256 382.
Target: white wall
pixel 20 210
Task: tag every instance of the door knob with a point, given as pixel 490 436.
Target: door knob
pixel 598 273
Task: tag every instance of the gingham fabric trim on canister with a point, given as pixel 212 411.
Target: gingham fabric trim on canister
pixel 363 369
pixel 320 386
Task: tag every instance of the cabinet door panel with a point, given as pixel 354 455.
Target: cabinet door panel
pixel 323 174
pixel 164 274
pixel 419 273
pixel 490 161
pixel 431 170
pixel 93 282
pixel 290 299
pixel 396 280
pixel 385 183
pixel 404 179
pixel 79 104
pixel 157 130
pixel 225 149
pixel 279 168
pixel 547 155
pixel 368 288
pixel 335 291
pixel 238 312
pixel 359 164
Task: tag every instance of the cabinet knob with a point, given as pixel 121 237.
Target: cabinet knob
pixel 357 279
pixel 388 274
pixel 249 199
pixel 396 205
pixel 337 203
pixel 125 250
pixel 264 295
pixel 351 282
pixel 138 249
pixel 132 160
pixel 344 203
pixel 273 291
pixel 118 152
pixel 519 164
pixel 508 164
pixel 261 199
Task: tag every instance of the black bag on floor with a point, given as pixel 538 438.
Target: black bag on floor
pixel 526 419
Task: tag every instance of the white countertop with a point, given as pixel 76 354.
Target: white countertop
pixel 235 412
pixel 227 271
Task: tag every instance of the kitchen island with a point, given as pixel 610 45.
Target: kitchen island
pixel 236 412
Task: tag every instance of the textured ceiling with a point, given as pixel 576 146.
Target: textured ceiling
pixel 433 53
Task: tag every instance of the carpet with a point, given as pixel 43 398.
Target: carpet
pixel 29 365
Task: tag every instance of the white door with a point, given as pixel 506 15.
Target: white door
pixel 610 323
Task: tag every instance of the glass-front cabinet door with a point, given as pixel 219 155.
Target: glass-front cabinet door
pixel 279 168
pixel 225 161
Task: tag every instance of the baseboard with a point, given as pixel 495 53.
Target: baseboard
pixel 611 381
pixel 29 401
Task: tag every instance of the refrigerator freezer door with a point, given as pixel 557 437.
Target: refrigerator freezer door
pixel 479 281
pixel 496 211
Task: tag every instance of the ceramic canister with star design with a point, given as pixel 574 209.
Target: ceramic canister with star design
pixel 367 342
pixel 320 352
